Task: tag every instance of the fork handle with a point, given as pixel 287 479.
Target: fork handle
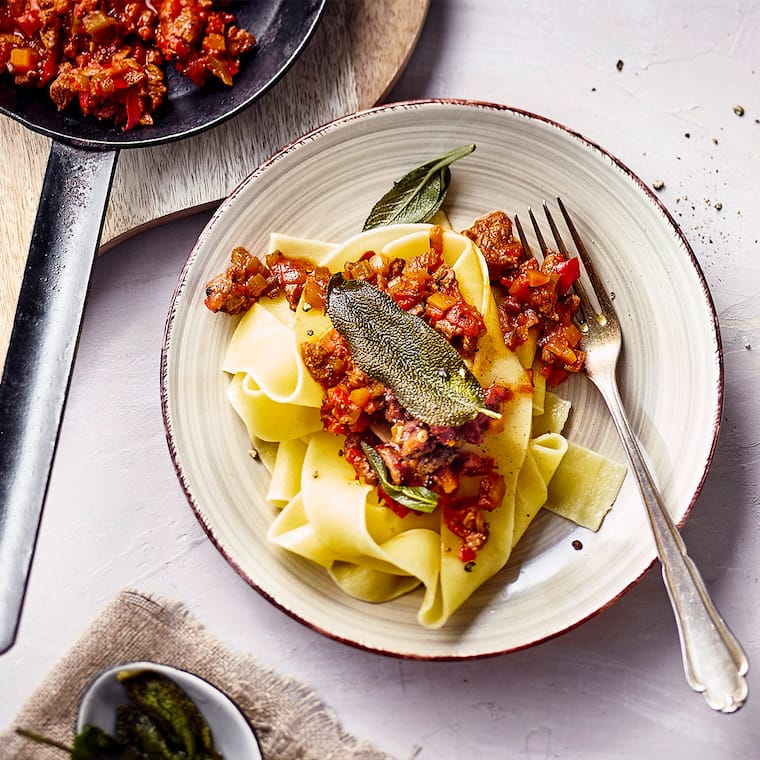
pixel 713 659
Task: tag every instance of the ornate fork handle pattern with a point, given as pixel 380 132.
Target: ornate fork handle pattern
pixel 714 661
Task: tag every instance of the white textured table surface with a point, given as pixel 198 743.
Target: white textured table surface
pixel 613 688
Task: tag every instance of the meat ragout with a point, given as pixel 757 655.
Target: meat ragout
pixel 108 57
pixel 443 459
pixel 532 296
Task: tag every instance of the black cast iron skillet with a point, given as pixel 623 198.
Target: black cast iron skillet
pixel 64 242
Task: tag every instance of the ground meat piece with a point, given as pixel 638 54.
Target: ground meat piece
pixel 180 26
pixel 431 465
pixel 466 521
pixel 239 41
pixel 392 409
pixel 492 233
pixel 356 458
pixel 395 462
pixel 539 300
pixel 412 437
pixel 200 40
pixel 491 490
pixel 293 275
pixel 156 86
pixel 62 93
pixel 324 365
pixel 241 285
pixel 445 279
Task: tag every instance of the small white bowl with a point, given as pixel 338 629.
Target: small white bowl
pixel 233 736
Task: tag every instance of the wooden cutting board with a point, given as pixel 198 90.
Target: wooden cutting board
pixel 358 50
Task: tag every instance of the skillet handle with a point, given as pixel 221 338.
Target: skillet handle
pixel 41 354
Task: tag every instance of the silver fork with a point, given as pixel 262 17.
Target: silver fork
pixel 713 659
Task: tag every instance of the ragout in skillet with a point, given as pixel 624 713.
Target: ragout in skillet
pixel 108 57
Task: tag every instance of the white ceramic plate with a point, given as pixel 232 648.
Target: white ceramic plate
pixel 322 186
pixel 232 734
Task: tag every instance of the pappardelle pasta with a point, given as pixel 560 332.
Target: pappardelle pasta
pixel 384 501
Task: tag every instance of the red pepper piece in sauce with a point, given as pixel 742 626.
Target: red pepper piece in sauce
pixel 568 271
pixel 29 23
pixel 134 109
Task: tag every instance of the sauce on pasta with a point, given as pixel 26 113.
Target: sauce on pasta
pixel 338 446
pixel 442 458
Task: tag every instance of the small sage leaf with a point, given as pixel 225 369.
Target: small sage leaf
pixel 418 498
pixel 418 195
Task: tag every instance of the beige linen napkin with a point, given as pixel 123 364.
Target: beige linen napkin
pixel 290 720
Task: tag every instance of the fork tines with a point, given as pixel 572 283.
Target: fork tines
pixel 587 307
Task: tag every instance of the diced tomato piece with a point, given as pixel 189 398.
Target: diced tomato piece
pixel 353 455
pixel 568 271
pixel 339 397
pixel 466 319
pixel 520 289
pixel 406 301
pixel 49 68
pixel 392 504
pixel 120 82
pixel 29 23
pixel 334 342
pixel 554 375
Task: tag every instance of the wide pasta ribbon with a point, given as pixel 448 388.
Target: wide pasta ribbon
pixel 331 518
pixel 493 363
pixel 337 522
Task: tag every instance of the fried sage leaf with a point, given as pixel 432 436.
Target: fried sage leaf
pixel 179 721
pixel 414 497
pixel 92 743
pixel 135 728
pixel 418 195
pixel 160 723
pixel 424 371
